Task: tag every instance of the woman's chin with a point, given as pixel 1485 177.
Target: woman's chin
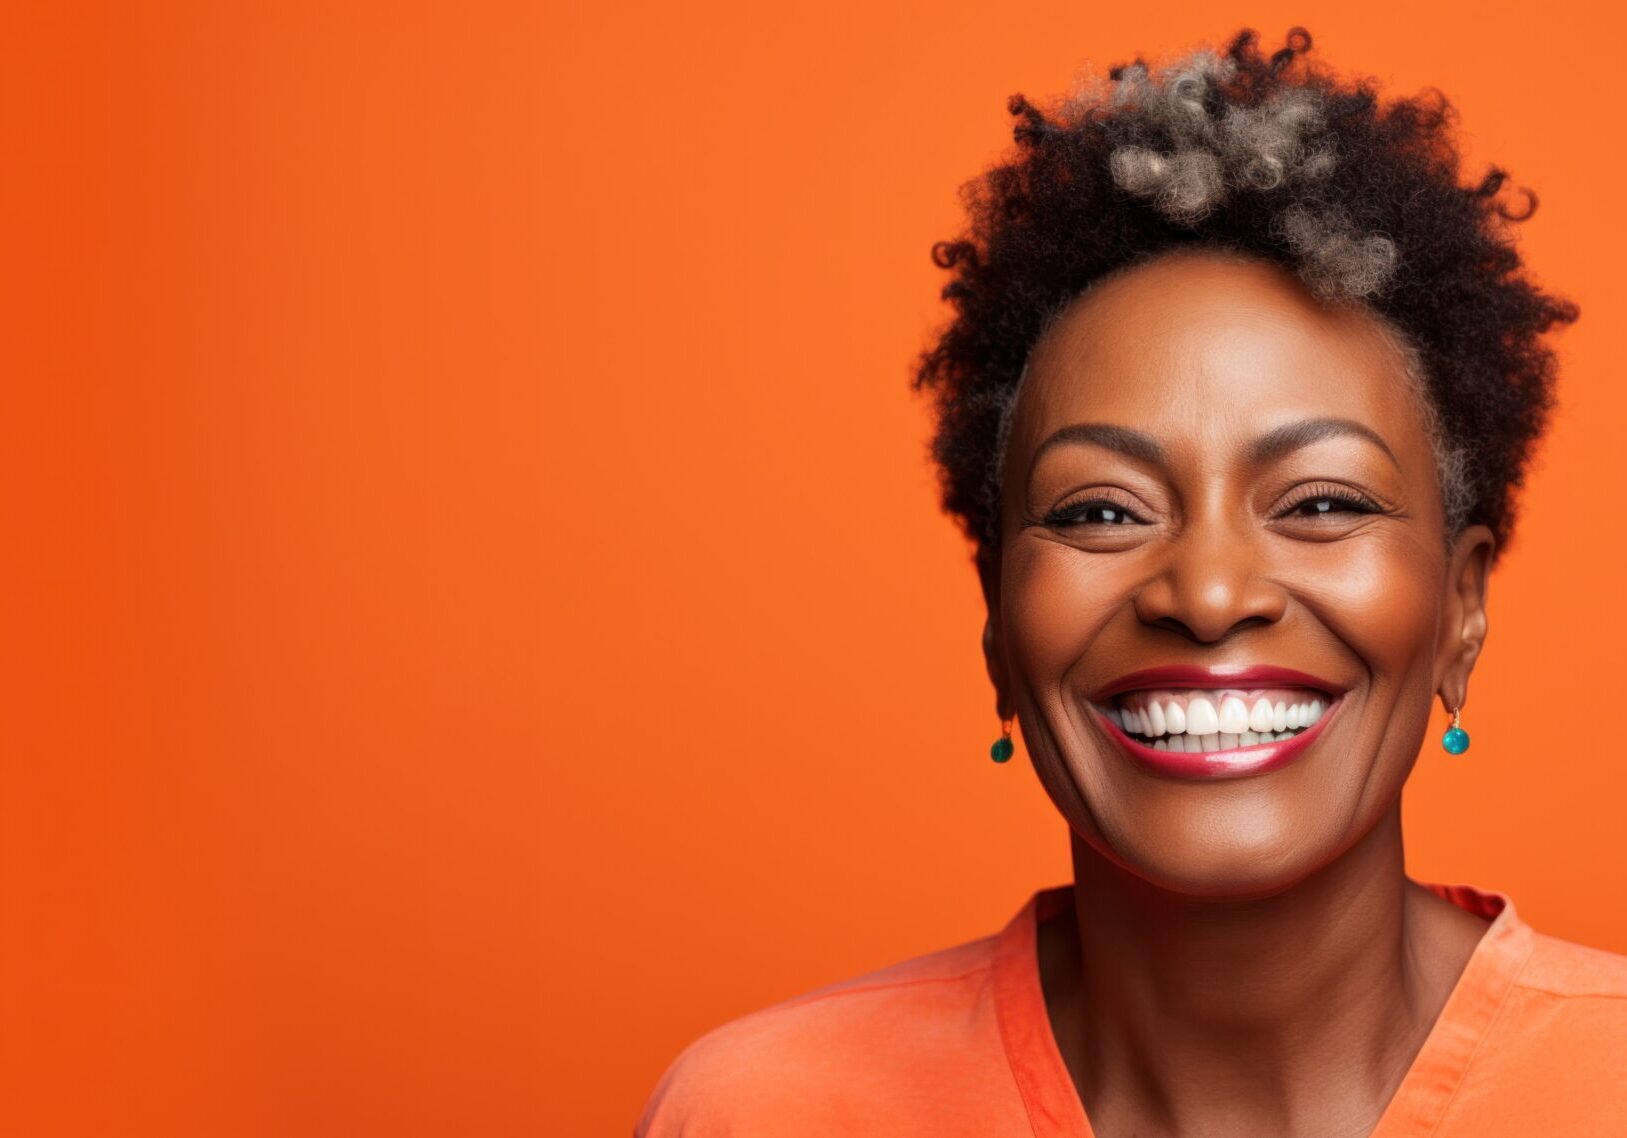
pixel 1236 858
pixel 1227 837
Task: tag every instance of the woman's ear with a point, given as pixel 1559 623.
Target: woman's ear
pixel 994 648
pixel 994 659
pixel 1463 630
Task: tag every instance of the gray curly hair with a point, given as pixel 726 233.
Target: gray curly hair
pixel 1274 145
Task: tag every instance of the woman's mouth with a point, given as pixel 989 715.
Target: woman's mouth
pixel 1222 719
pixel 1216 732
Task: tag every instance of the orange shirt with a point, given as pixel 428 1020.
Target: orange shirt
pixel 1532 1041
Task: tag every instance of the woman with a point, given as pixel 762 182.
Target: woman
pixel 1238 391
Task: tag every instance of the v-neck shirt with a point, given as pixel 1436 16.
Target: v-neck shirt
pixel 958 1042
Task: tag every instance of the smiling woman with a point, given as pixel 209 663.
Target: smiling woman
pixel 1280 508
pixel 1238 393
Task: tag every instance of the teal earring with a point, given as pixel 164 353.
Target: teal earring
pixel 1456 739
pixel 1003 747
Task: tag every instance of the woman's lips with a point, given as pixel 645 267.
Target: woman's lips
pixel 1238 715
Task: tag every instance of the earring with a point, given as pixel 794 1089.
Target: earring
pixel 1002 749
pixel 1456 739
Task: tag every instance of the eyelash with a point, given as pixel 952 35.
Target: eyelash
pixel 1344 497
pixel 1067 516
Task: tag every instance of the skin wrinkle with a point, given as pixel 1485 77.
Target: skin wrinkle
pixel 1247 955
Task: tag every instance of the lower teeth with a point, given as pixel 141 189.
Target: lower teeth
pixel 1220 741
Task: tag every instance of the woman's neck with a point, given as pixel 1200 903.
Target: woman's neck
pixel 1294 1014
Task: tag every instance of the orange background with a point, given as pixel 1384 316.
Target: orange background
pixel 476 614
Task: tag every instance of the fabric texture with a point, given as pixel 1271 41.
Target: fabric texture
pixel 1533 1040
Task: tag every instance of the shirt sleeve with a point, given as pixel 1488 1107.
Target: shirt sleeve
pixel 692 1099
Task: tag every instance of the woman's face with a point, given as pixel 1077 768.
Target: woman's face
pixel 1209 471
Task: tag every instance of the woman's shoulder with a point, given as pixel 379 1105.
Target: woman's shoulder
pixel 1551 1060
pixel 1569 998
pixel 796 1066
pixel 1567 970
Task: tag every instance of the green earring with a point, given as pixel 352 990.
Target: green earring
pixel 1003 748
pixel 1456 739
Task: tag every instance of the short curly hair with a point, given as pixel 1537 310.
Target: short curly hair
pixel 1274 158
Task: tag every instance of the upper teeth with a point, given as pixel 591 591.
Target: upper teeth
pixel 1237 717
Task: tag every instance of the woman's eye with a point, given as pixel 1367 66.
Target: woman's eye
pixel 1321 505
pixel 1096 511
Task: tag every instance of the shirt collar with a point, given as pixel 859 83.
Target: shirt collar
pixel 1053 1105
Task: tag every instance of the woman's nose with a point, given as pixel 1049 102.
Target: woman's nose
pixel 1212 581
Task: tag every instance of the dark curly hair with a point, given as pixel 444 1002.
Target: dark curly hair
pixel 1271 157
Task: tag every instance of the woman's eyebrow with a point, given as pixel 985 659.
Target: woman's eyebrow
pixel 1135 444
pixel 1302 432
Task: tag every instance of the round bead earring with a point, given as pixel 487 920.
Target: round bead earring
pixel 1456 739
pixel 1003 747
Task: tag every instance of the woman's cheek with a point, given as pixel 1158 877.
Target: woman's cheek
pixel 1057 601
pixel 1381 598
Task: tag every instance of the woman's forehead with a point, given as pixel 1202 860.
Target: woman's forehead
pixel 1197 345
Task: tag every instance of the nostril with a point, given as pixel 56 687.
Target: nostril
pixel 1175 625
pixel 1180 627
pixel 1250 622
